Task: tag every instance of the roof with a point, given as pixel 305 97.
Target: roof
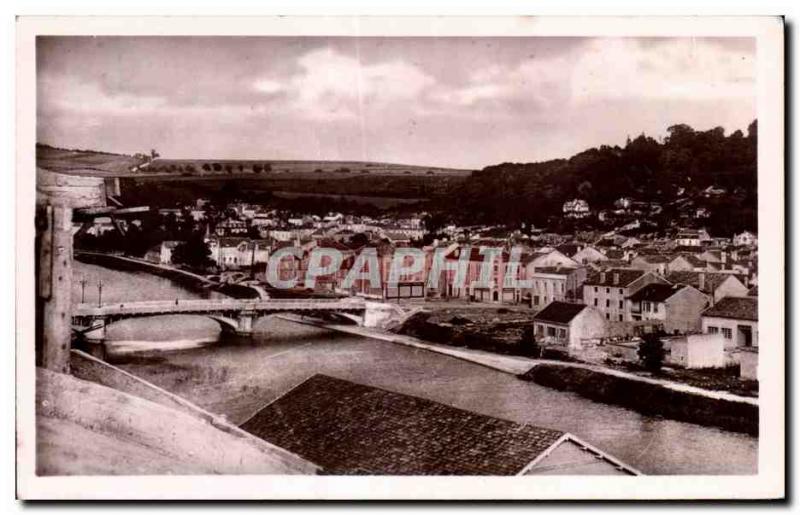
pixel 350 428
pixel 559 270
pixel 654 258
pixel 740 308
pixel 693 260
pixel 626 276
pixel 559 312
pixel 656 292
pixel 712 280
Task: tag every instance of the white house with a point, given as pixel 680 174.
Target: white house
pixel 576 208
pixel 736 318
pixel 562 323
pixel 698 351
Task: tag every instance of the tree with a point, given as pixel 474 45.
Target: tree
pixel 154 154
pixel 651 352
pixel 194 252
pixel 528 344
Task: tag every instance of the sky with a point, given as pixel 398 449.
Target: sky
pixel 452 102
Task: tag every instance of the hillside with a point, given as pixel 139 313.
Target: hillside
pixel 679 167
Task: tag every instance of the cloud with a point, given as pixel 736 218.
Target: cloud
pixel 447 101
pixel 333 85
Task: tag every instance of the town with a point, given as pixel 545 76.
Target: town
pixel 592 294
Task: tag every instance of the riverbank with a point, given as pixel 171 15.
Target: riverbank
pixel 648 398
pixel 646 395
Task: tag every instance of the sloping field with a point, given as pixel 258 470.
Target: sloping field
pixel 83 162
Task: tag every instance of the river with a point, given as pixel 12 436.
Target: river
pixel 236 376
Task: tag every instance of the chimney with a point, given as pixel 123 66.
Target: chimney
pixel 602 277
pixel 701 281
pixel 616 278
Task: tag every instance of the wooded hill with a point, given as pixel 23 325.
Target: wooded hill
pixel 682 165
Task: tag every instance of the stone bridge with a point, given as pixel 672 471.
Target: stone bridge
pixel 233 315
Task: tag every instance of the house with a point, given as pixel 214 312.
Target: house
pixel 234 253
pixel 697 351
pixel 714 284
pixel 745 239
pixel 736 318
pixel 547 258
pixel 656 263
pixel 676 306
pixel 691 237
pixel 714 256
pixel 354 429
pixel 494 290
pixel 555 283
pixel 562 323
pixel 608 290
pixel 588 255
pixel 576 208
pixel 688 263
pixel 162 254
pixel 231 227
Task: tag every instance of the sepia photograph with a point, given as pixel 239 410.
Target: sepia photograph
pixel 361 251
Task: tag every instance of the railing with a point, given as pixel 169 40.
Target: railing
pixel 194 305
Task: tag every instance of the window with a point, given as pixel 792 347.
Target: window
pixel 536 300
pixel 551 331
pixel 608 290
pixel 620 318
pixel 562 334
pixel 608 303
pixel 608 317
pixel 620 304
pixel 595 302
pixel 713 329
pixel 595 289
pixel 727 332
pixel 620 291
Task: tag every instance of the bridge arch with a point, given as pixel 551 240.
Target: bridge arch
pixel 225 323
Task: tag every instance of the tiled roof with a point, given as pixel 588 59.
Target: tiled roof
pixel 559 312
pixel 741 308
pixel 626 276
pixel 350 428
pixel 656 292
pixel 712 280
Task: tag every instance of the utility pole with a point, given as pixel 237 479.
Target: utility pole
pixel 99 293
pixel 83 290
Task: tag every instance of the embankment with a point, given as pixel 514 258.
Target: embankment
pixel 647 398
pixel 184 278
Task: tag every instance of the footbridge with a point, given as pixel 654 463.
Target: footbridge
pixel 233 315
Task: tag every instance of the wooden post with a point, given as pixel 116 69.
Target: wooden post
pixel 55 288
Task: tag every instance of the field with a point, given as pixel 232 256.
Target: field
pixel 293 169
